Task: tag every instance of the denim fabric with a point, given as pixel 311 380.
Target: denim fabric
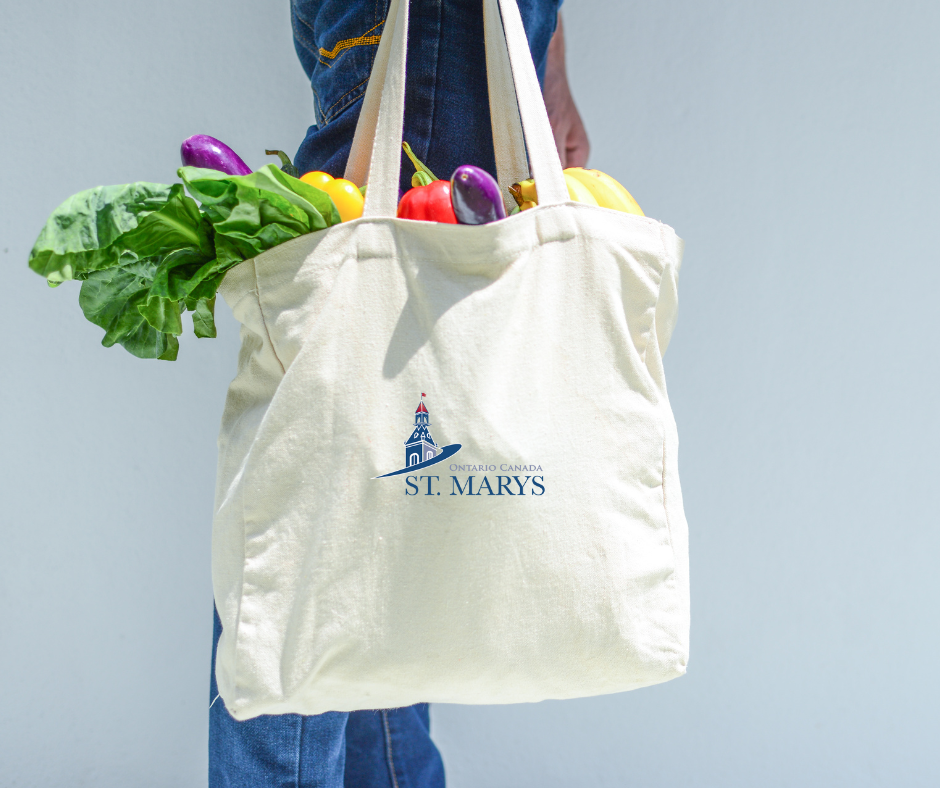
pixel 362 749
pixel 392 748
pixel 447 117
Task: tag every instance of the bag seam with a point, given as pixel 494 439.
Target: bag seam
pixel 673 580
pixel 264 322
pixel 241 501
pixel 668 258
pixel 236 703
pixel 241 594
pixel 665 504
pixel 508 257
pixel 667 255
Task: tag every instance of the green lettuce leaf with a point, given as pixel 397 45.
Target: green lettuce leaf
pixel 146 252
pixel 93 229
pixel 134 246
pixel 111 299
pixel 253 213
pixel 204 318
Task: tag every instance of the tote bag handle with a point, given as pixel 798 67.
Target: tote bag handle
pixel 519 118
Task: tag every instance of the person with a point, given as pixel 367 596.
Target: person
pixel 447 116
pixel 447 123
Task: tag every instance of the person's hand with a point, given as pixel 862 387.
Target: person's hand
pixel 570 136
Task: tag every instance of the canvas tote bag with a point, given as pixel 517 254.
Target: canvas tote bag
pixel 447 463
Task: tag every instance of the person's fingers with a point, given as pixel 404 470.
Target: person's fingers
pixel 571 138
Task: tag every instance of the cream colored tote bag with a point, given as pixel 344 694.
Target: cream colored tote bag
pixel 447 465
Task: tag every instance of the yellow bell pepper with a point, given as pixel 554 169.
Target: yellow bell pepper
pixel 345 194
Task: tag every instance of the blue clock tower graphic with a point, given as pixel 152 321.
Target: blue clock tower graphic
pixel 420 447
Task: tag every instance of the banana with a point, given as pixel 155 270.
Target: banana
pixel 606 190
pixel 578 191
pixel 632 205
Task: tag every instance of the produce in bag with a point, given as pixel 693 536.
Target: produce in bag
pixel 475 196
pixel 589 186
pixel 347 197
pixel 145 253
pixel 201 150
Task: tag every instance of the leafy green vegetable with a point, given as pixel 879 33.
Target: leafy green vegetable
pixel 256 212
pixel 204 318
pixel 146 252
pixel 111 299
pixel 80 235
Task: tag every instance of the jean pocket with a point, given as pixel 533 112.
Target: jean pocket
pixel 336 41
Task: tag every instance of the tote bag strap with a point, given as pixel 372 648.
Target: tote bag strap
pixel 520 120
pixel 381 119
pixel 517 109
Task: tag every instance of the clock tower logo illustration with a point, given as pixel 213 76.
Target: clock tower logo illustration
pixel 421 451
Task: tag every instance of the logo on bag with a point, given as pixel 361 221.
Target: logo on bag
pixel 420 449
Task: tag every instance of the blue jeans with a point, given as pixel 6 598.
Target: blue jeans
pixel 447 113
pixel 362 749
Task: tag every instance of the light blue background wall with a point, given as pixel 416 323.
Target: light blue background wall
pixel 793 145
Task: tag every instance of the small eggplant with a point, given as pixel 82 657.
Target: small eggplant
pixel 201 150
pixel 475 195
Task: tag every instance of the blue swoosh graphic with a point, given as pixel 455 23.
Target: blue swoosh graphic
pixel 446 452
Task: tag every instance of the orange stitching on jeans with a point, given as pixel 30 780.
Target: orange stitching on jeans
pixel 330 114
pixel 310 45
pixel 353 100
pixel 347 93
pixel 364 40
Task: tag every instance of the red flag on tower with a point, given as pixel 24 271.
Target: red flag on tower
pixel 422 393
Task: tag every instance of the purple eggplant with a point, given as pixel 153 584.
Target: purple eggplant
pixel 201 150
pixel 475 196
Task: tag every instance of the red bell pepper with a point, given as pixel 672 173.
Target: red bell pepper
pixel 429 199
pixel 429 203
